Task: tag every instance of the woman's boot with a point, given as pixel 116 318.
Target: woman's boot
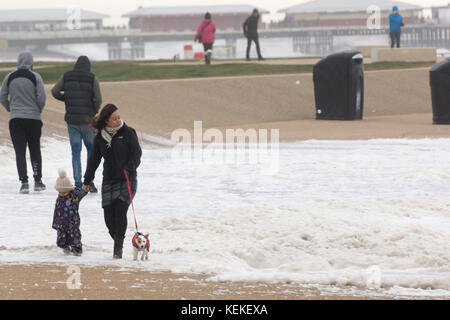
pixel 118 246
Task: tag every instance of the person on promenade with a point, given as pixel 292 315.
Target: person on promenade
pixel 205 35
pixel 395 27
pixel 251 33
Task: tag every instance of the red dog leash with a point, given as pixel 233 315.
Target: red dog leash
pixel 131 199
pixel 133 241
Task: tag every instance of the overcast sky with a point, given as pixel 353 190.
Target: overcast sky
pixel 116 8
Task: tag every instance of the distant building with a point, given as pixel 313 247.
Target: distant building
pixel 441 15
pixel 27 20
pixel 346 13
pixel 179 19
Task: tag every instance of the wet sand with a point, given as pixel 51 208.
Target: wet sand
pixel 53 282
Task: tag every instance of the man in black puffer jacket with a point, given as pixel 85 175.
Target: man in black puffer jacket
pixel 80 91
pixel 251 33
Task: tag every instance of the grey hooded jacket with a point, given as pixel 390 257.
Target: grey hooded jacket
pixel 23 93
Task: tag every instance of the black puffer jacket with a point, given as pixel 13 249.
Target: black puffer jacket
pixel 79 90
pixel 124 153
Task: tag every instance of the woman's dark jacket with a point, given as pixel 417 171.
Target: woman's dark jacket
pixel 124 153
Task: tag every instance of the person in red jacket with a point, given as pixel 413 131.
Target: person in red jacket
pixel 205 35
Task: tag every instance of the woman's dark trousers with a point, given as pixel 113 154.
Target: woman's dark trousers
pixel 116 222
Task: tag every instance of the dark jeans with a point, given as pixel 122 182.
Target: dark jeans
pixel 249 44
pixel 27 132
pixel 395 39
pixel 77 135
pixel 116 218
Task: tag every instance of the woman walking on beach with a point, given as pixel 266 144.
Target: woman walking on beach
pixel 118 145
pixel 205 35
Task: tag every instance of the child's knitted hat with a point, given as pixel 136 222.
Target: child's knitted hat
pixel 63 183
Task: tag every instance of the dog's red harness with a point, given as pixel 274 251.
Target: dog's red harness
pixel 133 241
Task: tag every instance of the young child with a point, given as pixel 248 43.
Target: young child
pixel 66 220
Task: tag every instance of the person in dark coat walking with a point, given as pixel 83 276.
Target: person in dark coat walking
pixel 23 96
pixel 80 91
pixel 251 33
pixel 119 147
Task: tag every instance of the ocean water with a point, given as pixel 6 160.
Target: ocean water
pixel 270 48
pixel 372 215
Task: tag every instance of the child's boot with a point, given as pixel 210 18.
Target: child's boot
pixel 76 253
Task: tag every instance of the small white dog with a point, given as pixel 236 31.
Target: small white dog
pixel 141 243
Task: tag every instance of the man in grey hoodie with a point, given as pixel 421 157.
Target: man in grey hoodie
pixel 23 96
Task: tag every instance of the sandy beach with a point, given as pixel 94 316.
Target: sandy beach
pixel 110 283
pixel 397 105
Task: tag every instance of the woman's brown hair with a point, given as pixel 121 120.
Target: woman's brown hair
pixel 99 122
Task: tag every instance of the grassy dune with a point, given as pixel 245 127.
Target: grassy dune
pixel 152 70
